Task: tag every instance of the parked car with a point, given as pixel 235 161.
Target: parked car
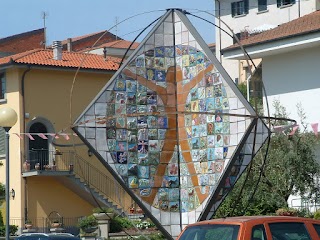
pixel 253 228
pixel 47 236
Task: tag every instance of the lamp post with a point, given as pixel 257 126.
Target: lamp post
pixel 8 117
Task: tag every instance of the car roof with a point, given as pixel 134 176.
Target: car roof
pixel 243 219
pixel 34 236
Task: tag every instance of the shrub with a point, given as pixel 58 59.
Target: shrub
pixel 117 224
pixel 145 224
pixel 87 222
pixel 287 212
pixel 1 219
pixel 155 236
pixel 317 214
pixel 12 230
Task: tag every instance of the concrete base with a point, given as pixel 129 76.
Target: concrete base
pixel 57 230
pixel 29 230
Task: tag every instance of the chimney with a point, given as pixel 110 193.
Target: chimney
pixel 57 50
pixel 69 44
pixel 105 53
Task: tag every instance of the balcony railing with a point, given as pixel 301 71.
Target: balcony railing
pixel 40 159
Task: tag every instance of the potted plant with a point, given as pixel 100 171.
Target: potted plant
pixel 37 166
pixel 28 224
pixel 103 213
pixel 57 152
pixel 88 224
pixel 286 212
pixel 56 224
pixel 26 166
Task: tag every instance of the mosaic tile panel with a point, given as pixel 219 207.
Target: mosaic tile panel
pixel 169 124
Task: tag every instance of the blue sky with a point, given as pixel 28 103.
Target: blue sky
pixel 66 18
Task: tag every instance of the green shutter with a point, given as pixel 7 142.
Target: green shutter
pixel 246 6
pixel 233 9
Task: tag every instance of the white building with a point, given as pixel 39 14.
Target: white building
pixel 290 57
pixel 248 17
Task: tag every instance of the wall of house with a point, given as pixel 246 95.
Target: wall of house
pixel 272 16
pixel 46 195
pixel 293 78
pixel 13 101
pixel 47 96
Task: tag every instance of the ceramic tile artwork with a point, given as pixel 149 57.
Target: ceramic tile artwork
pixel 172 161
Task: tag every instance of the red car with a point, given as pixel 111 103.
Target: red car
pixel 253 228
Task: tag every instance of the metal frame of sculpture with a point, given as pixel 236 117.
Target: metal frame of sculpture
pixel 172 128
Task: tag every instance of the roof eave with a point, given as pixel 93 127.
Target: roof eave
pixel 46 67
pixel 275 46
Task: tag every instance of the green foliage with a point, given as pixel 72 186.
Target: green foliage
pixel 256 102
pixel 291 168
pixel 317 215
pixel 12 230
pixel 287 212
pixel 243 88
pixel 87 222
pixel 118 223
pixel 2 193
pixel 1 219
pixel 155 236
pixel 145 224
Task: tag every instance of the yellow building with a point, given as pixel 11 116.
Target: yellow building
pixel 52 174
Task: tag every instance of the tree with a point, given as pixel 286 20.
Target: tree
pixel 291 168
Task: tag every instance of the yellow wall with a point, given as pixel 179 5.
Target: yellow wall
pixel 45 195
pixel 47 95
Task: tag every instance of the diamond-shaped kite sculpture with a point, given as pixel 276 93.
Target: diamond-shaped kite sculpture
pixel 172 127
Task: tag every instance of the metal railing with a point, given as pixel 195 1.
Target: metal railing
pixel 100 182
pixel 69 225
pixel 44 160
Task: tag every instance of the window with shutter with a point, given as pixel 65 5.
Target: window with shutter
pixel 2 85
pixel 239 8
pixel 281 3
pixel 262 5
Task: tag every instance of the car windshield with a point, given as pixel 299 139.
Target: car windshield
pixel 211 231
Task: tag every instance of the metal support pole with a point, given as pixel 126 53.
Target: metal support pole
pixel 7 184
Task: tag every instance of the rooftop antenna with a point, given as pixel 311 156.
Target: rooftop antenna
pixel 44 16
pixel 116 28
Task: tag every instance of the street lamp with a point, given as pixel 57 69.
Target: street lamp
pixel 8 118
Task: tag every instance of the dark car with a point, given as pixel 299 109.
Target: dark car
pixel 47 236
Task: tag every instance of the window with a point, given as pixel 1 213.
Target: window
pixel 317 227
pixel 262 5
pixel 281 3
pixel 2 85
pixel 289 230
pixel 211 232
pixel 240 8
pixel 258 233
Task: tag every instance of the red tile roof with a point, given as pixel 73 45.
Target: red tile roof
pixel 42 57
pixel 22 42
pixel 86 41
pixel 119 44
pixel 307 24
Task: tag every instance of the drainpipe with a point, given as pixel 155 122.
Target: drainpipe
pixel 23 130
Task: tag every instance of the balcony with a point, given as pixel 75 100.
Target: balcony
pixel 46 163
pixel 79 175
